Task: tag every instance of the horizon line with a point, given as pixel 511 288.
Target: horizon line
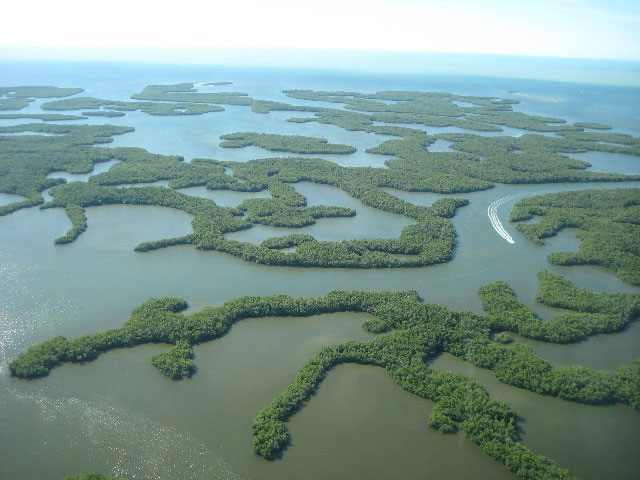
pixel 65 50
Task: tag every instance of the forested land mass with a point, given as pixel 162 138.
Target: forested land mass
pixel 475 163
pixel 152 108
pixel 92 476
pixel 411 334
pixel 45 117
pixel 478 161
pixel 283 143
pixel 39 91
pixel 17 98
pixel 430 240
pixel 608 223
pixel 593 125
pixel 103 113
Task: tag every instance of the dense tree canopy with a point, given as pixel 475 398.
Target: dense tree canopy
pixel 608 223
pixel 283 143
pixel 17 98
pixel 410 334
pixel 92 476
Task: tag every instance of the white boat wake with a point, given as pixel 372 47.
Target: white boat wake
pixel 492 212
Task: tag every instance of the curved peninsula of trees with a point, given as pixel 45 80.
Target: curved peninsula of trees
pixel 593 125
pixel 410 334
pixel 283 143
pixel 608 223
pixel 152 108
pixel 39 91
pixel 45 117
pixel 17 98
pixel 92 476
pixel 103 113
pixel 28 159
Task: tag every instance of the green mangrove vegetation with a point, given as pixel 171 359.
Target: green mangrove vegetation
pixel 78 224
pixel 45 117
pixel 283 143
pixel 103 113
pixel 151 108
pixel 14 103
pixel 92 476
pixel 608 223
pixel 39 91
pixel 177 362
pixel 593 125
pixel 476 160
pixel 410 334
pixel 17 98
pixel 594 312
pixel 436 109
pixel 185 92
pixel 28 159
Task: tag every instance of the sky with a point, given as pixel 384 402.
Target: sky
pixel 127 28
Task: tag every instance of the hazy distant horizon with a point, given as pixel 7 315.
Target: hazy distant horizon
pixel 564 28
pixel 592 71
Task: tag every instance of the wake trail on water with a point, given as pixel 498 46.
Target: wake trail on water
pixel 492 213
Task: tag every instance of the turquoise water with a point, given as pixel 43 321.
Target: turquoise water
pixel 120 415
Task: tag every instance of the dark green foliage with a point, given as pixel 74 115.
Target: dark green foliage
pixel 289 241
pixel 431 240
pixel 185 92
pixel 152 108
pixel 46 117
pixel 39 92
pixel 410 334
pixel 76 103
pixel 595 312
pixel 25 160
pixel 477 160
pixel 33 200
pixel 103 113
pixel 593 125
pixel 28 159
pixel 177 362
pixel 608 223
pixel 17 98
pixel 78 223
pixel 14 103
pixel 283 143
pixel 434 109
pixel 604 142
pixel 92 476
pixel 41 358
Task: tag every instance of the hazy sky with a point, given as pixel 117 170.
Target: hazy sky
pixel 566 28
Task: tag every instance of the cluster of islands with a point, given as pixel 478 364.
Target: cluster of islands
pixel 410 332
